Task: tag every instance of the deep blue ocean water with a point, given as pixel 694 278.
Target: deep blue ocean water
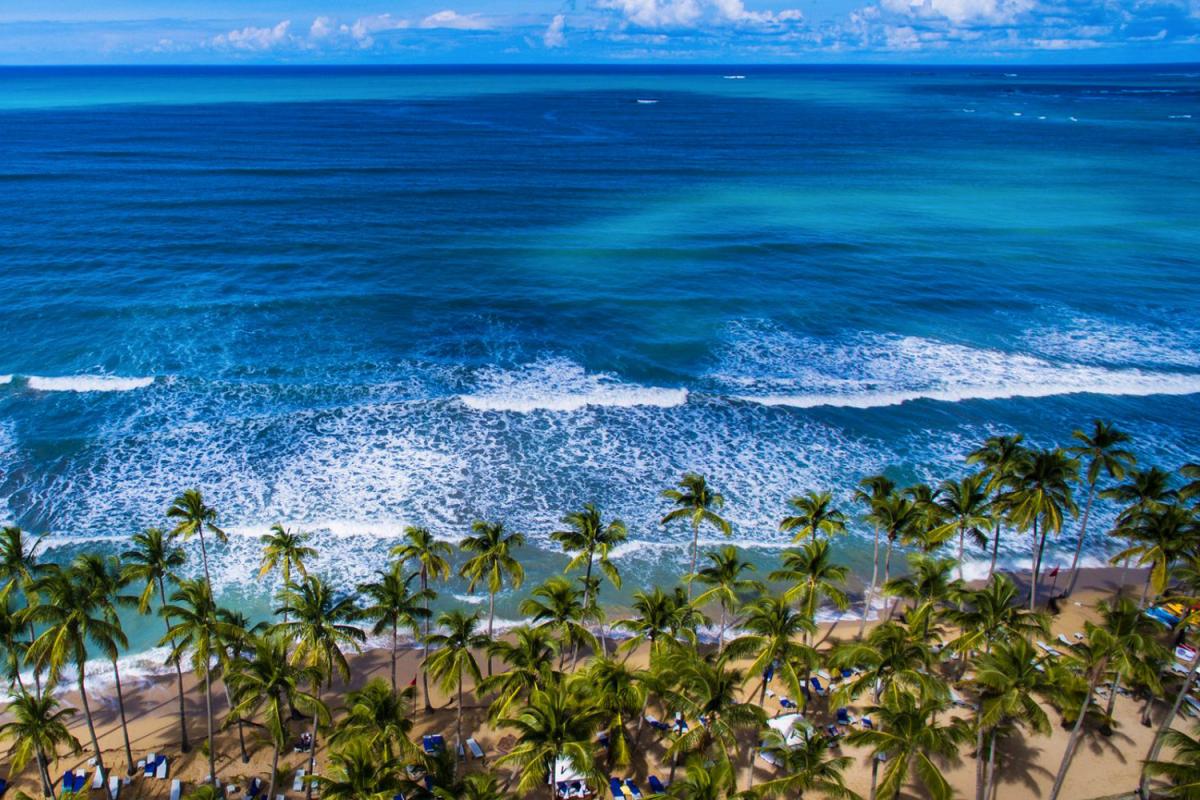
pixel 356 299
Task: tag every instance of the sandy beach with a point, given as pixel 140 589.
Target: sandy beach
pixel 1104 766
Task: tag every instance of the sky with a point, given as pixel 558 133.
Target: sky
pixel 597 31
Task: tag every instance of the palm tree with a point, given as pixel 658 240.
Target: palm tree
pixel 1138 654
pixel 872 490
pixel 452 660
pixel 37 729
pixel 991 615
pixel 1158 537
pixel 432 564
pixel 71 618
pixel 153 560
pixel 529 658
pixel 705 780
pixel 908 732
pixel 588 538
pixel 891 658
pixel 807 765
pixel 814 577
pixel 1144 490
pixel 393 607
pixel 1040 498
pixel 322 629
pixel 928 583
pixel 710 690
pixel 621 695
pixel 772 630
pixel 964 511
pixel 723 576
pixel 1002 458
pixel 379 716
pixel 492 563
pixel 359 772
pixel 696 502
pixel 285 551
pixel 269 684
pixel 13 648
pixel 557 605
pixel 193 616
pixel 896 516
pixel 194 519
pixel 659 617
pixel 1104 453
pixel 815 515
pixel 476 786
pixel 1183 772
pixel 1092 660
pixel 19 567
pixel 559 722
pixel 235 639
pixel 105 581
pixel 1011 679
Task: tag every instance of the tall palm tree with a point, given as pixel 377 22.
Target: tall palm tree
pixel 807 765
pixel 106 583
pixel 322 629
pixel 493 562
pixel 379 716
pixel 965 511
pixel 476 786
pixel 433 564
pixel 1011 680
pixel 529 657
pixel 710 690
pixel 1158 537
pixel 815 515
pixel 814 577
pixel 696 502
pixel 38 728
pixel 453 660
pixel 621 695
pixel 992 615
pixel 268 684
pixel 658 618
pixel 19 566
pixel 358 771
pixel 1143 490
pixel 71 619
pixel 1002 459
pixel 394 606
pixel 195 517
pixel 908 731
pixel 891 657
pixel 587 537
pixel 193 629
pixel 872 490
pixel 285 551
pixel 1137 656
pixel 726 585
pixel 1092 660
pixel 1040 498
pixel 773 630
pixel 235 639
pixel 1183 772
pixel 558 605
pixel 154 560
pixel 928 583
pixel 14 650
pixel 704 780
pixel 1105 454
pixel 896 516
pixel 559 722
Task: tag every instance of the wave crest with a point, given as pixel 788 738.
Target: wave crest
pixel 87 383
pixel 562 385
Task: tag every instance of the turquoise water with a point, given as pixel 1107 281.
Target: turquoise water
pixel 355 299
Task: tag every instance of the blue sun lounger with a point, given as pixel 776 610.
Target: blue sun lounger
pixel 614 786
pixel 787 703
pixel 656 785
pixel 817 687
pixel 255 789
pixel 633 787
pixel 81 781
pixel 843 717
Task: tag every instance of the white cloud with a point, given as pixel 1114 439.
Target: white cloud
pixel 252 38
pixel 695 13
pixel 553 37
pixel 364 27
pixel 454 20
pixel 999 12
pixel 321 27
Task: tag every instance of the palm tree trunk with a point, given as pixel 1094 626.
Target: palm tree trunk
pixel 874 775
pixel 721 632
pixel 990 791
pixel 1112 694
pixel 980 764
pixel 204 557
pixel 862 625
pixel 995 548
pixel 121 709
pixel 695 554
pixel 1073 742
pixel 425 642
pixel 1035 564
pixel 37 669
pixel 1087 510
pixel 183 735
pixel 491 627
pixel 458 723
pixel 44 772
pixel 312 751
pixel 212 756
pixel 1145 589
pixel 887 570
pixel 274 772
pixel 1167 722
pixel 961 547
pixel 87 713
pixel 395 639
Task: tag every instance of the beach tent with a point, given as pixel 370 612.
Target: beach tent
pixel 792 727
pixel 566 773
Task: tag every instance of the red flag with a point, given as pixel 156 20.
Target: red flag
pixel 1054 572
pixel 413 682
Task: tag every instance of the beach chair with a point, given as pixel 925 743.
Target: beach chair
pixel 817 686
pixel 176 789
pixel 787 703
pixel 1063 638
pixel 3 786
pixel 633 788
pixel 770 758
pixel 162 771
pixel 254 789
pixel 847 673
pixel 866 723
pixel 114 786
pixel 562 789
pixel 80 782
pixel 656 785
pixel 614 786
pixel 1049 650
pixel 68 781
pixel 476 750
pixel 97 779
pixel 843 717
pixel 298 782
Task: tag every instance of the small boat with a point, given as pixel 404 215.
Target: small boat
pixel 646 102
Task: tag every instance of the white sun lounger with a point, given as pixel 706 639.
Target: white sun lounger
pixel 298 783
pixel 769 758
pixel 161 772
pixel 1063 638
pixel 476 750
pixel 98 779
pixel 114 786
pixel 176 789
pixel 1048 648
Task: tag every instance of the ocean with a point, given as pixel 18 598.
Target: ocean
pixel 355 299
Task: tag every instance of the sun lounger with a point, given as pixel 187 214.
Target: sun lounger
pixel 1050 650
pixel 3 786
pixel 766 756
pixel 98 779
pixel 787 703
pixel 615 787
pixel 1063 639
pixel 866 723
pixel 843 717
pixel 958 700
pixel 176 789
pixel 254 789
pixel 298 782
pixel 141 764
pixel 81 781
pixel 161 772
pixel 114 786
pixel 633 787
pixel 847 673
pixel 476 750
pixel 656 785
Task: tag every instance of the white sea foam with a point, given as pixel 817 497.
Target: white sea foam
pixel 5 379
pixel 558 384
pixel 1168 342
pixel 87 383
